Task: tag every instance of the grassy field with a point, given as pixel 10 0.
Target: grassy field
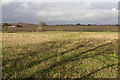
pixel 60 54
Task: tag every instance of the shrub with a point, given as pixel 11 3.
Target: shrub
pixel 6 24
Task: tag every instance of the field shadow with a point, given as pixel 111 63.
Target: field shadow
pixel 89 75
pixel 44 72
pixel 41 50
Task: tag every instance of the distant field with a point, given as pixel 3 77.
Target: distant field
pixel 59 54
pixel 33 28
pixel 82 28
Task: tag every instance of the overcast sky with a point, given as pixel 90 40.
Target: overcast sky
pixel 61 12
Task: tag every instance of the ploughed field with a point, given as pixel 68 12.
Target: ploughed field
pixel 34 28
pixel 58 54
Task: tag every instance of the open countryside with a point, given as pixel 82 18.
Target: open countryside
pixel 45 40
pixel 60 54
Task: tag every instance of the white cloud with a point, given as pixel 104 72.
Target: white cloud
pixel 6 2
pixel 60 0
pixel 25 5
pixel 62 12
pixel 114 9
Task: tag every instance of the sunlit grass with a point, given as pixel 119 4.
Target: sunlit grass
pixel 60 55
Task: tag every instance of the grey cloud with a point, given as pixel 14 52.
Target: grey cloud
pixel 98 13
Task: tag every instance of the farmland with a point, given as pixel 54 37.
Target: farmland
pixel 60 54
pixel 82 28
pixel 34 28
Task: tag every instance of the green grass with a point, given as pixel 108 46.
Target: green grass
pixel 71 55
